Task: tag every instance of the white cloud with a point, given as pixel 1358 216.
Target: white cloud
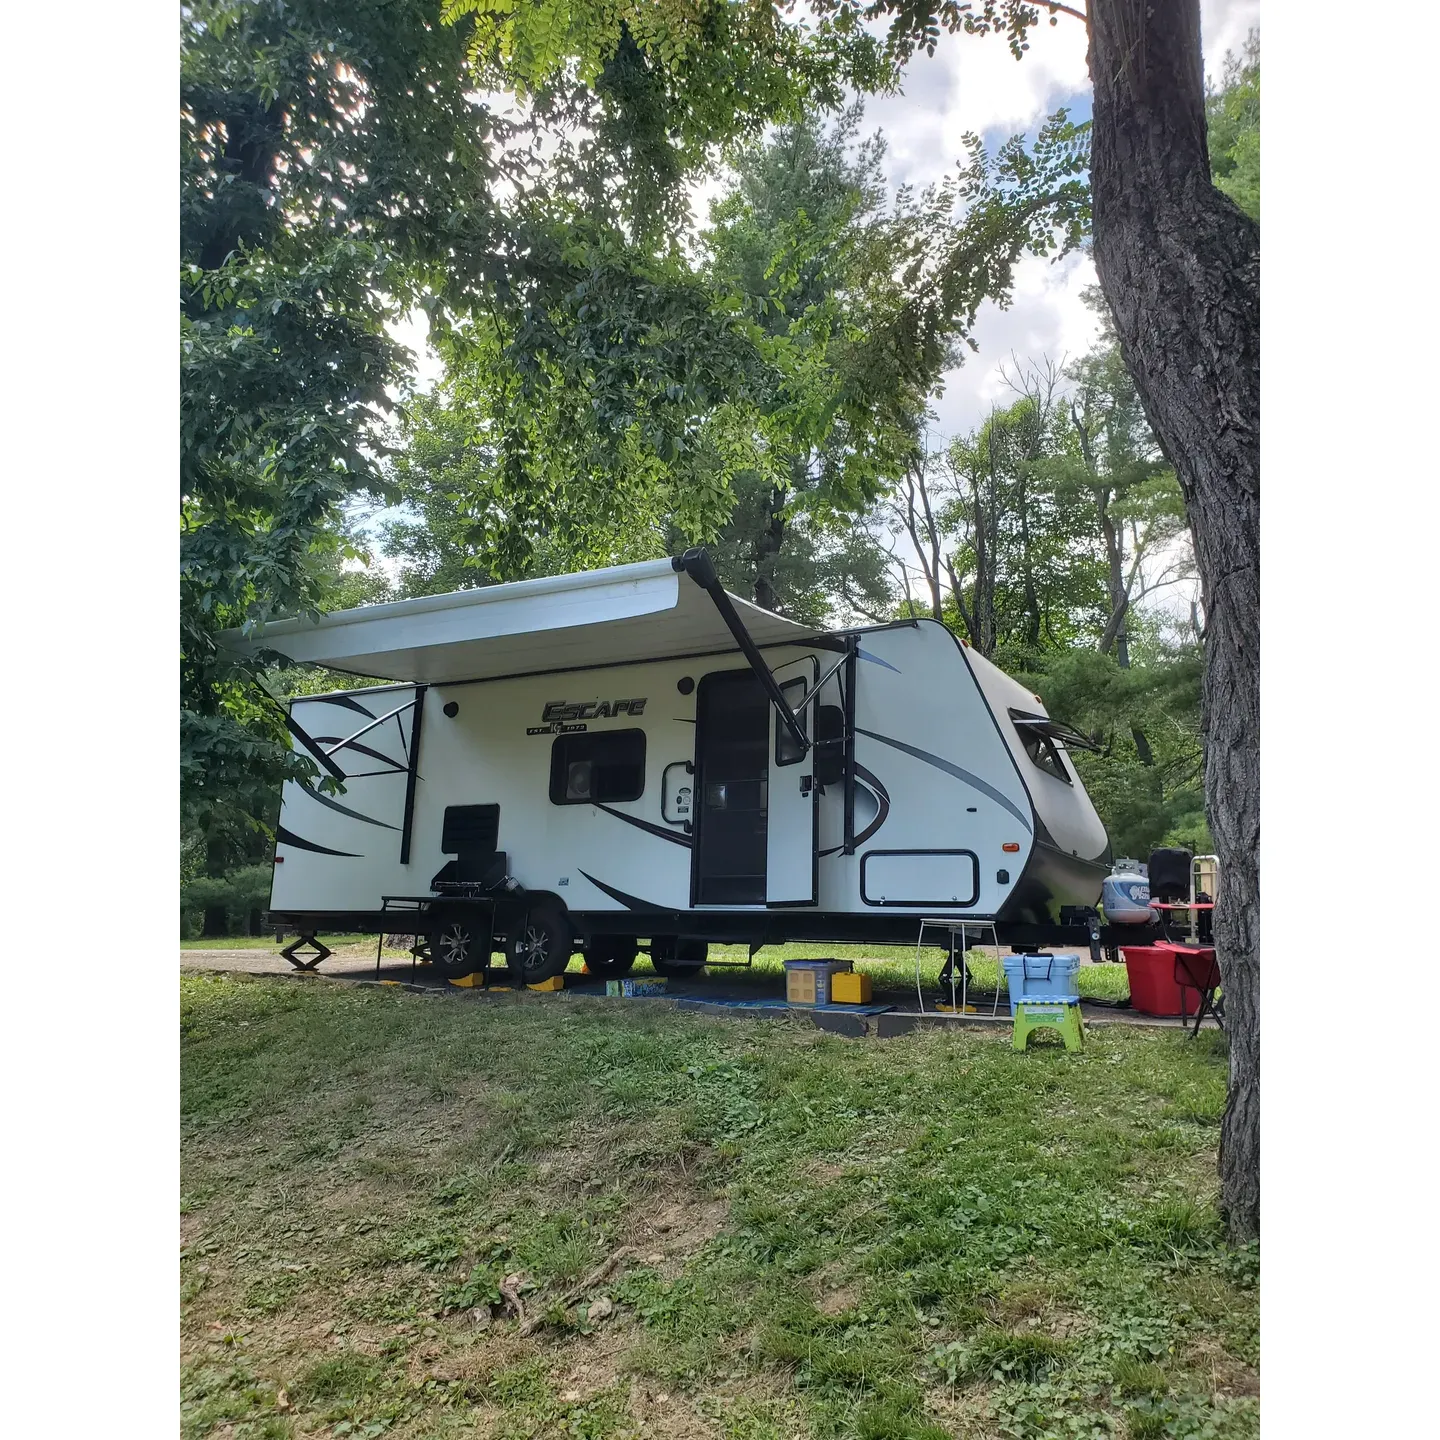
pixel 976 84
pixel 1224 25
pixel 1047 318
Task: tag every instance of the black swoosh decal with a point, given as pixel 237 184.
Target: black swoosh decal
pixel 345 809
pixel 360 750
pixel 630 902
pixel 675 837
pixel 284 837
pixel 344 701
pixel 876 660
pixel 882 795
pixel 955 770
pixel 876 786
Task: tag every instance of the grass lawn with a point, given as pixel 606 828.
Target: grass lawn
pixel 891 968
pixel 267 942
pixel 810 1236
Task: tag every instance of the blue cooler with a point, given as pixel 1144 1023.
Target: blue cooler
pixel 1042 977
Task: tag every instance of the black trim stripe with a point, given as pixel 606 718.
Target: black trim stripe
pixel 285 837
pixel 344 809
pixel 675 837
pixel 630 902
pixel 974 780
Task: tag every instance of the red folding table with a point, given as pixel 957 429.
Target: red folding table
pixel 1195 966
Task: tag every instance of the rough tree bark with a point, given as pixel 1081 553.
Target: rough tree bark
pixel 767 550
pixel 1179 263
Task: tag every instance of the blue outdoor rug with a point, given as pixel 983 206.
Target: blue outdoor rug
pixel 695 1001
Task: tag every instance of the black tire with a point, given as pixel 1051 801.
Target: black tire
pixel 608 957
pixel 453 945
pixel 541 947
pixel 675 957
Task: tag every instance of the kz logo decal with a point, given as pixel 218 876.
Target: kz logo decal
pixel 560 717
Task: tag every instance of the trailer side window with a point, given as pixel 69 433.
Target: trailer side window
pixel 1044 752
pixel 787 752
pixel 602 767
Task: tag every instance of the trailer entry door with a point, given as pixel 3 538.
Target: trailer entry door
pixel 793 828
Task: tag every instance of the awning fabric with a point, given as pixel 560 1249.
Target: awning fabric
pixel 622 615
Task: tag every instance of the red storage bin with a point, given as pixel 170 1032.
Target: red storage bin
pixel 1153 990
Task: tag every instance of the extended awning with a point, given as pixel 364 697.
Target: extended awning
pixel 624 615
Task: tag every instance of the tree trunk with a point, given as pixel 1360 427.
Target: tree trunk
pixel 1179 264
pixel 767 550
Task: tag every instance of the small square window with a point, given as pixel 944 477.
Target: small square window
pixel 600 768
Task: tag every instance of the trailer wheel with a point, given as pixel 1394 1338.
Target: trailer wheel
pixel 675 957
pixel 610 956
pixel 540 948
pixel 454 947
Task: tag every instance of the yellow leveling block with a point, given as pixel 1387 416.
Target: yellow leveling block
pixel 555 982
pixel 850 987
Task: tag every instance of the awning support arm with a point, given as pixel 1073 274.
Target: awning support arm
pixel 844 659
pixel 366 729
pixel 698 565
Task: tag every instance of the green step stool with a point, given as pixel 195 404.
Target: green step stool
pixel 1060 1013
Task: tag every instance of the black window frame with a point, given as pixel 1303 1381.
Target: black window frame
pixel 1045 754
pixel 786 751
pixel 561 759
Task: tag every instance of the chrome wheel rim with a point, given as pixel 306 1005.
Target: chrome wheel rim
pixel 534 948
pixel 454 945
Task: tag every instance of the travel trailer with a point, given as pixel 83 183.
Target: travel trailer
pixel 633 758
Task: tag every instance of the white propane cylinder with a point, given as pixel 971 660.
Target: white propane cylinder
pixel 1126 895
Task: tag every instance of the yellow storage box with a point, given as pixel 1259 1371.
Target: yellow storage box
pixel 850 988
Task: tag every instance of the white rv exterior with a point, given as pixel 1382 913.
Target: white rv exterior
pixel 665 796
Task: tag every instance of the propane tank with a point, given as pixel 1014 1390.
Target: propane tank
pixel 1126 895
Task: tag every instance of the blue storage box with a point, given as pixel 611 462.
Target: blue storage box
pixel 807 982
pixel 1041 977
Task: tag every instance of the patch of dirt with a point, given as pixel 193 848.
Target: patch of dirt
pixel 1228 1376
pixel 1029 1308
pixel 675 1229
pixel 834 1291
pixel 659 1412
pixel 963 1413
pixel 838 1301
pixel 592 1363
pixel 827 1172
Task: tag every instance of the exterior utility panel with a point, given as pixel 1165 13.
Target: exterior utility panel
pixel 667 796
